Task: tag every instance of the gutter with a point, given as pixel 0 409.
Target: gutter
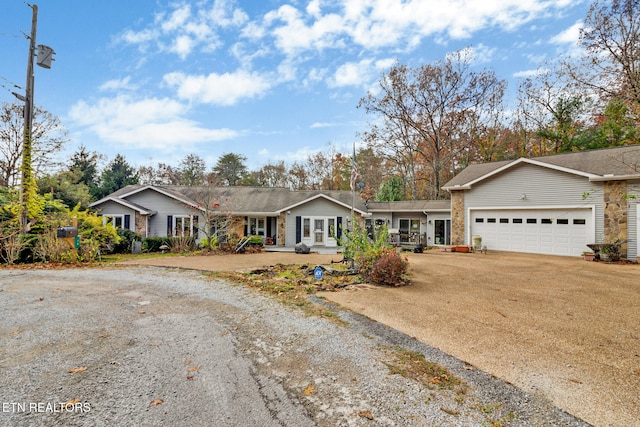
pixel 611 177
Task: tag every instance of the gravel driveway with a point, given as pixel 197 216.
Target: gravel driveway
pixel 558 328
pixel 149 346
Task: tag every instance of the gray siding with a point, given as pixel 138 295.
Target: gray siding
pixel 112 208
pixel 543 187
pixel 317 207
pixel 162 204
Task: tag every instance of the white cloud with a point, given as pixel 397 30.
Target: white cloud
pixel 184 29
pixel 118 84
pixel 318 125
pixel 218 89
pixel 359 73
pixel 153 123
pixel 569 36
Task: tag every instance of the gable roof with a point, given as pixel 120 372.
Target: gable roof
pixel 596 165
pixel 136 207
pixel 241 200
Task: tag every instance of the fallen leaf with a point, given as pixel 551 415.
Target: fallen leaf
pixel 104 335
pixel 156 402
pixel 15 332
pixel 78 370
pixel 193 368
pixel 366 414
pixel 70 403
pixel 141 311
pixel 190 377
pixel 308 390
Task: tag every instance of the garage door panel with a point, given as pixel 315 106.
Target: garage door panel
pixel 547 231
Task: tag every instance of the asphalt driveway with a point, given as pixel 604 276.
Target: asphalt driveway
pixel 557 327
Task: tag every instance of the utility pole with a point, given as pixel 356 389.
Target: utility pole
pixel 27 176
pixel 45 56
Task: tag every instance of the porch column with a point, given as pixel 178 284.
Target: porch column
pixel 615 213
pixel 457 217
pixel 281 229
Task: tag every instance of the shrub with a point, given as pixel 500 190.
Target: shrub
pixel 152 244
pixel 389 269
pixel 126 239
pixel 182 244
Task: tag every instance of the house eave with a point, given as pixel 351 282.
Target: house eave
pixel 317 196
pixel 468 185
pixel 605 178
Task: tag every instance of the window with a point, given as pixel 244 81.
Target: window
pixel 491 220
pixel 504 220
pixel 546 221
pixel 517 220
pixel 532 221
pixel 479 219
pixel 306 227
pixel 579 222
pixel 563 221
pixel 117 221
pixel 182 225
pixel 409 229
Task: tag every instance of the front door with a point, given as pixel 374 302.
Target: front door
pixel 318 232
pixel 442 231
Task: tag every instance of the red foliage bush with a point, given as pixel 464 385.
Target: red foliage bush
pixel 390 269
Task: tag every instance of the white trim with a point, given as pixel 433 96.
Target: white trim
pixel 165 193
pixel 331 199
pixel 125 203
pixel 513 208
pixel 468 185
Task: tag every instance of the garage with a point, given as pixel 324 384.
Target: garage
pixel 544 231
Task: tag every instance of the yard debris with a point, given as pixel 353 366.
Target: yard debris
pixel 366 414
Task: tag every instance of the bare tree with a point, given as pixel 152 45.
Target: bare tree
pixel 215 206
pixel 164 174
pixel 48 137
pixel 611 66
pixel 426 113
pixel 272 175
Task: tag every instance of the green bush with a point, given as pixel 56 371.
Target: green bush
pixel 152 244
pixel 127 237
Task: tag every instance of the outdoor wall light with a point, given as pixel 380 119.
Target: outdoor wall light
pixel 523 196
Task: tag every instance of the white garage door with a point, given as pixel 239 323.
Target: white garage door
pixel 543 231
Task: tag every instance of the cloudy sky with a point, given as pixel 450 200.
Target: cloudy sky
pixel 272 80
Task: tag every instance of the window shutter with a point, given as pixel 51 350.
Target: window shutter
pixel 339 227
pixel 194 222
pixel 169 225
pixel 298 229
pixel 127 222
pixel 246 225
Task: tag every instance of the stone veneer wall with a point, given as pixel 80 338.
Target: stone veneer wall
pixel 237 226
pixel 615 213
pixel 140 224
pixel 282 229
pixel 457 217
